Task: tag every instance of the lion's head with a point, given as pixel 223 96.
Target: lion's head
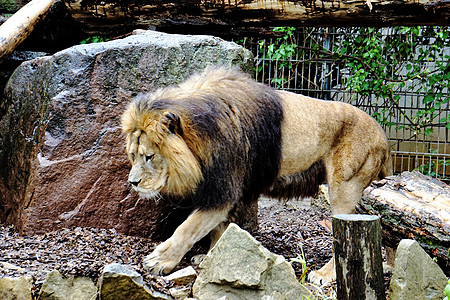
pixel 162 162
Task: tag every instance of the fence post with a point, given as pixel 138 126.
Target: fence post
pixel 357 250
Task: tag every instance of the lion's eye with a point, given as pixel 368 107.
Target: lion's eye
pixel 132 156
pixel 149 157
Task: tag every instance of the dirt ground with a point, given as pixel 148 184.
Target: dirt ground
pixel 283 228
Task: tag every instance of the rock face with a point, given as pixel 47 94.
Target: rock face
pixel 55 287
pixel 16 288
pixel 416 275
pixel 239 267
pixel 62 158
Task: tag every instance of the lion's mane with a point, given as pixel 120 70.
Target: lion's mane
pixel 225 145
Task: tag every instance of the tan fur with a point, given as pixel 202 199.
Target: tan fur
pixel 351 145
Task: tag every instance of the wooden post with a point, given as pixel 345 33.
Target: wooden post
pixel 357 251
pixel 16 29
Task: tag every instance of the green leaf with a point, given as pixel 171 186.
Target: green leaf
pixel 428 98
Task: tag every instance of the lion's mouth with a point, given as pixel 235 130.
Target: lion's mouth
pixel 151 193
pixel 147 193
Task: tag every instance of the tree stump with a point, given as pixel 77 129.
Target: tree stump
pixel 412 206
pixel 357 251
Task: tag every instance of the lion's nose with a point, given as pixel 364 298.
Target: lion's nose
pixel 134 182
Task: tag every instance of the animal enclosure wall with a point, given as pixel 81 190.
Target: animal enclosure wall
pixel 400 76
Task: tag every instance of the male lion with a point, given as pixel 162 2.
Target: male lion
pixel 220 139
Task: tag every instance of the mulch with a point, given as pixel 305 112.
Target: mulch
pixel 283 229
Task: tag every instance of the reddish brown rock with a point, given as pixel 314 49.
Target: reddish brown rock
pixel 62 158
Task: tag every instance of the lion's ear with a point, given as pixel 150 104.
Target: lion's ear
pixel 172 122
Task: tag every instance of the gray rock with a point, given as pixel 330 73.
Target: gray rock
pixel 180 292
pixel 60 138
pixel 120 282
pixel 18 288
pixel 239 267
pixel 416 275
pixel 55 287
pixel 7 266
pixel 183 276
pixel 274 296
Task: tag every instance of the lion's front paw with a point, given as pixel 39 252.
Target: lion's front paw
pixel 163 259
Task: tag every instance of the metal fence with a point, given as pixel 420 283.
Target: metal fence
pixel 306 70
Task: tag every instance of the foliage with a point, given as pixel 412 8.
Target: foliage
pixel 380 65
pixel 94 39
pixel 285 48
pixel 317 292
pixel 301 259
pixel 282 50
pixel 433 167
pixel 447 291
pixel 412 58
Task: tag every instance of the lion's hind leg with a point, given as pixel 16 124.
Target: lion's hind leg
pixel 345 192
pixel 324 275
pixel 168 254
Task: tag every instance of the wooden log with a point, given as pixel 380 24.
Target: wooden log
pixel 17 28
pixel 358 260
pixel 412 206
pixel 242 18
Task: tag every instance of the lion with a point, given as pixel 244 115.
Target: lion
pixel 219 140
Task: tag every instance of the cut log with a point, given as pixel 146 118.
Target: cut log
pixel 17 28
pixel 412 206
pixel 357 252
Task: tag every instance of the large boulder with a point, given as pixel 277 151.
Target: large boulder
pixel 62 158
